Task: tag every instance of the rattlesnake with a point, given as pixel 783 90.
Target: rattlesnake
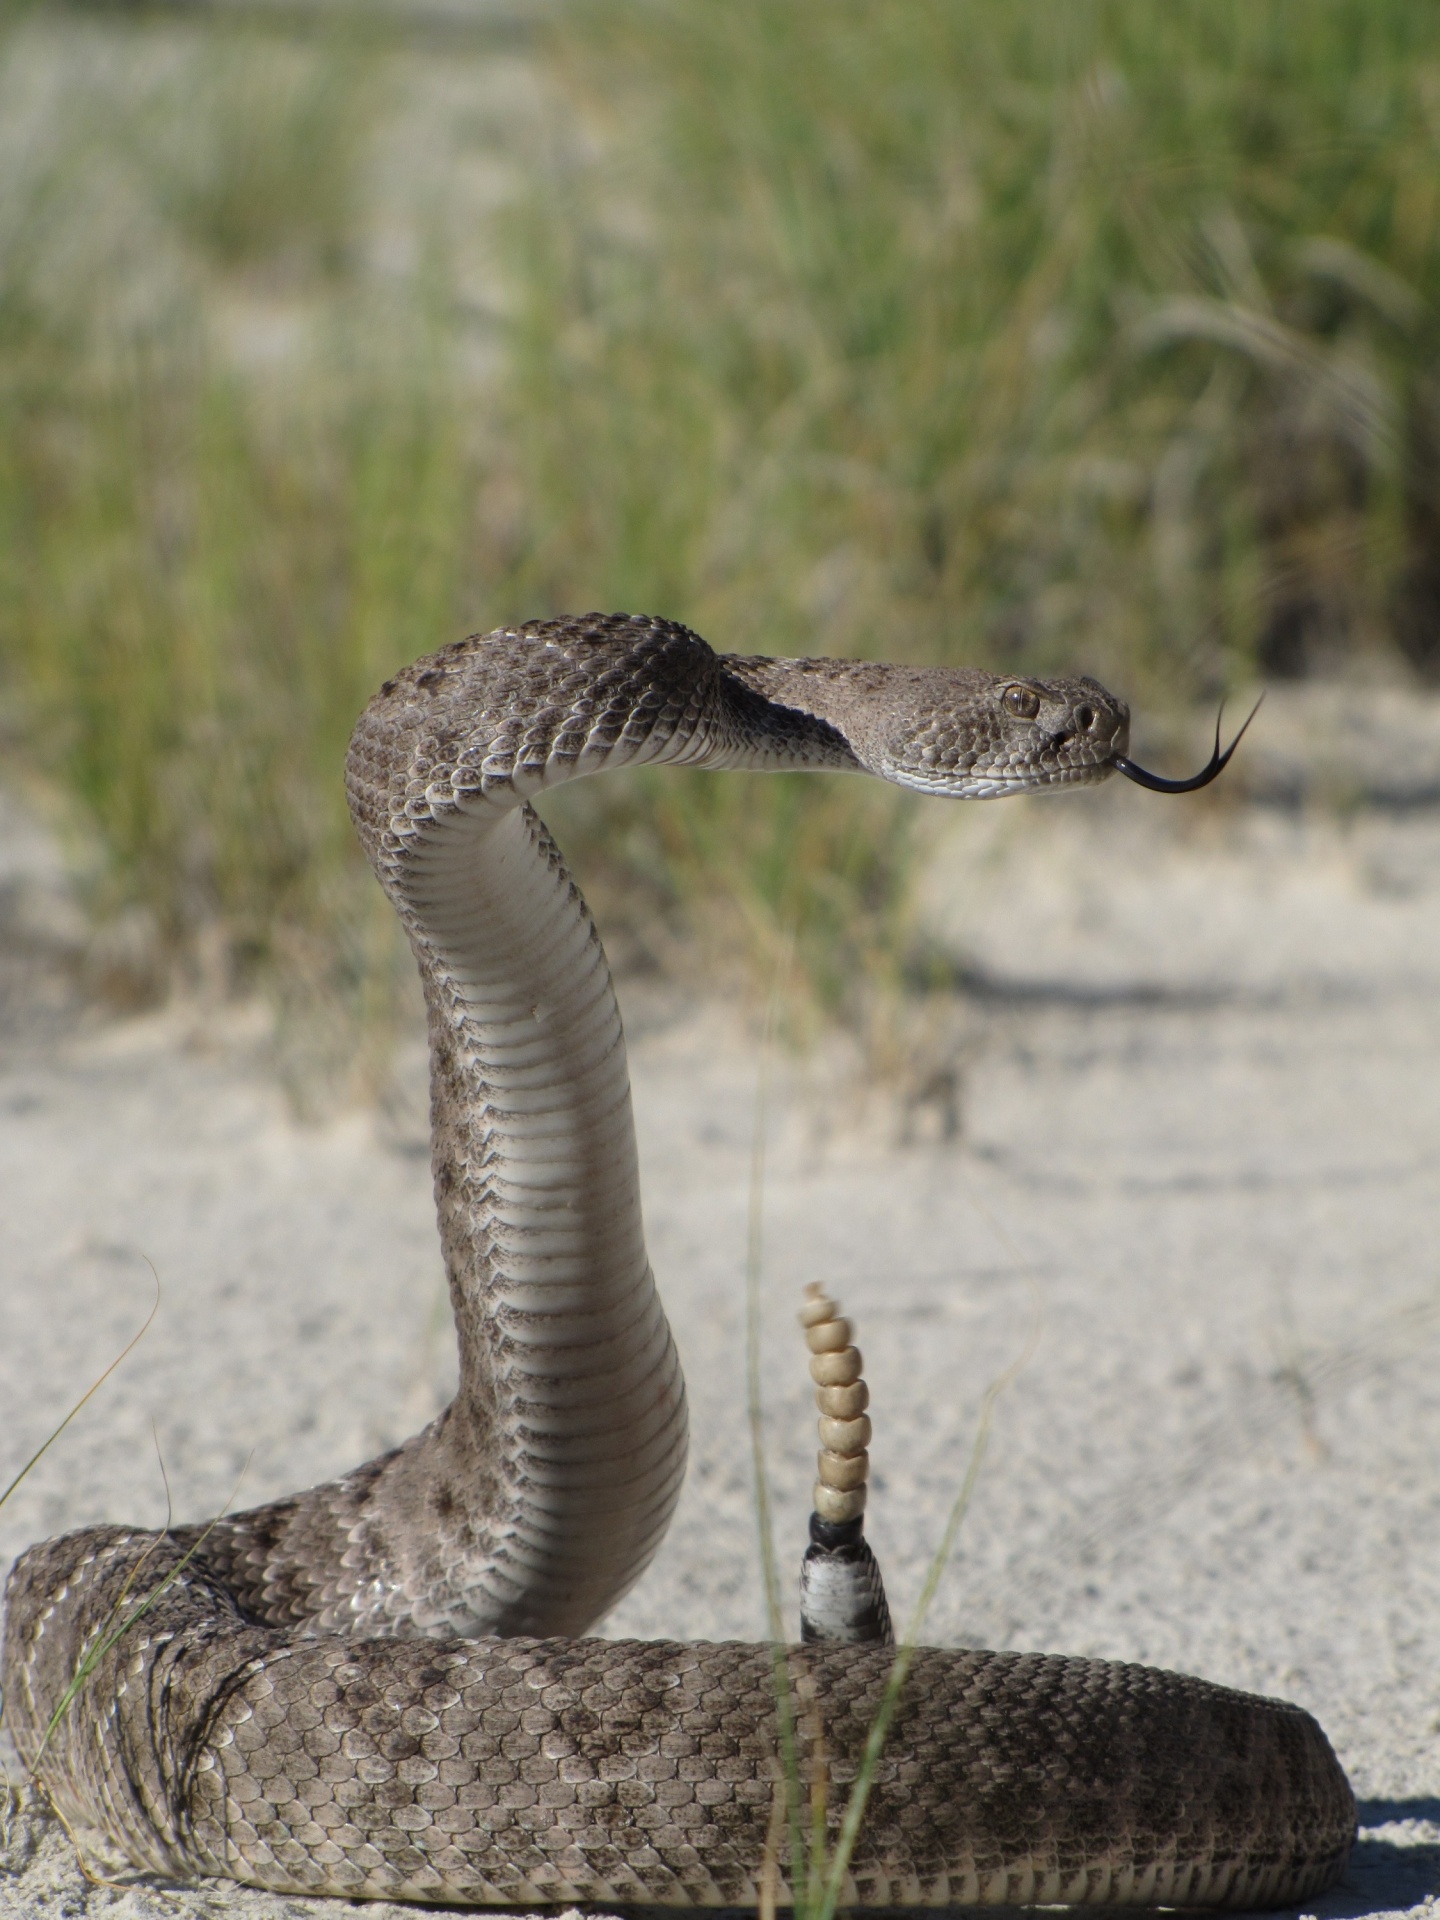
pixel 375 1688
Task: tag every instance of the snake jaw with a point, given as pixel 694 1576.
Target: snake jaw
pixel 998 785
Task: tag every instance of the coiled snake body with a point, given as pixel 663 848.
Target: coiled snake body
pixel 374 1688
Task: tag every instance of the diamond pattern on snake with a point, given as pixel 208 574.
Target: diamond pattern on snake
pixel 381 1687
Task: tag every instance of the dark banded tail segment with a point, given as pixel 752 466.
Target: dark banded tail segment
pixel 842 1592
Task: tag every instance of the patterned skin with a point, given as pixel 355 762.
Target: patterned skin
pixel 375 1688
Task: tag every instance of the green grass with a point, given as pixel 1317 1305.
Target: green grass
pixel 1099 336
pixel 976 331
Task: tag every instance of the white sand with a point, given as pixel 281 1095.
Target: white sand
pixel 1199 1089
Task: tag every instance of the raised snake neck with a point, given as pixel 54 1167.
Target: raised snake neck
pixel 372 1688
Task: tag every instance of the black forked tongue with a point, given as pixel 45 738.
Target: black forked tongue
pixel 1216 766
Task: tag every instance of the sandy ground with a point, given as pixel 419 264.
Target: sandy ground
pixel 1185 1108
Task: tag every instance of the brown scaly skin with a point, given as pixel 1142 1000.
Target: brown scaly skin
pixel 360 1690
pixel 523 1771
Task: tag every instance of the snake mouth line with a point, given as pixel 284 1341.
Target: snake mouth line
pixel 1212 770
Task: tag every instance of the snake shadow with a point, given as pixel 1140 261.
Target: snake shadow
pixel 1396 1862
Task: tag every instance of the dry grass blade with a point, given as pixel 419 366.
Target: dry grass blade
pixel 818 1871
pixel 90 1391
pixel 11 1793
pixel 787 1812
pixel 110 1636
pixel 832 1892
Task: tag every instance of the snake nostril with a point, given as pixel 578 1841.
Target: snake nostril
pixel 1084 718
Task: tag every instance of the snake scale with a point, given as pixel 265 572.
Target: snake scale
pixel 377 1688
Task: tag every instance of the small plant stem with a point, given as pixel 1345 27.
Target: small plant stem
pixel 10 1798
pixel 106 1641
pixel 830 1895
pixel 817 1884
pixel 754 1255
pixel 91 1390
pixel 754 1259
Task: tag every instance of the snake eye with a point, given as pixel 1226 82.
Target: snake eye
pixel 1023 702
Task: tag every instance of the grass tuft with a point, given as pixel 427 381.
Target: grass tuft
pixel 820 1865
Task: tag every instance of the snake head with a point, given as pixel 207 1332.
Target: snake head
pixel 978 736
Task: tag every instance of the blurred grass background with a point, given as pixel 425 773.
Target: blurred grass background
pixel 1098 337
